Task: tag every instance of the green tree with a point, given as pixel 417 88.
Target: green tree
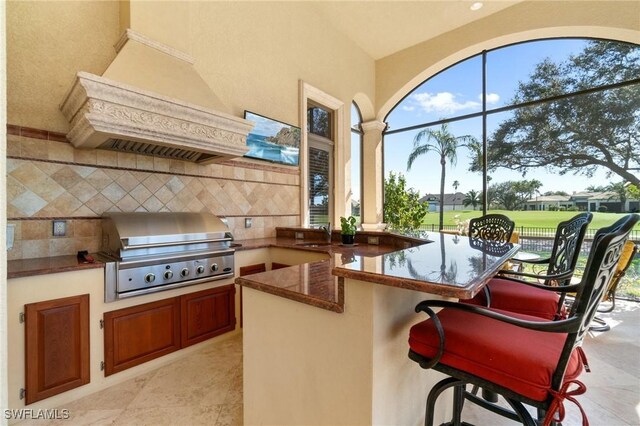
pixel 472 198
pixel 402 207
pixel 620 191
pixel 634 192
pixel 579 134
pixel 512 195
pixel 455 185
pixel 445 144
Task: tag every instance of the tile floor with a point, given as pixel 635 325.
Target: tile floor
pixel 206 387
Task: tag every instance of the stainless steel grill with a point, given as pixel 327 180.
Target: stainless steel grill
pixel 150 252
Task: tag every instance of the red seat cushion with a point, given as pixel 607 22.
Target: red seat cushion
pixel 521 298
pixel 519 359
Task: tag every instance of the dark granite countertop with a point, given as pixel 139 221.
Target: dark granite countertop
pixel 450 266
pixel 47 265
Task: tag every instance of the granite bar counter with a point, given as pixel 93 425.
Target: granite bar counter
pixel 448 265
pixel 304 365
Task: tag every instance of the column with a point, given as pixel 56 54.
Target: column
pixel 372 191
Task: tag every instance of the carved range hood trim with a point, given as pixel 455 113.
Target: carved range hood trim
pixel 108 114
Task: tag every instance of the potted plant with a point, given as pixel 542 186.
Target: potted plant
pixel 348 231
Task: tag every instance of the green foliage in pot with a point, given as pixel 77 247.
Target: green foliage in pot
pixel 348 225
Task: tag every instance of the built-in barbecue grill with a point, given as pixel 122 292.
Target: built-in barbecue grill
pixel 149 252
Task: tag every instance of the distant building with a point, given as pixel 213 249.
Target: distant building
pixel 548 202
pixel 583 201
pixel 451 201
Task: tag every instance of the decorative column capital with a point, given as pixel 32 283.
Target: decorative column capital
pixel 374 125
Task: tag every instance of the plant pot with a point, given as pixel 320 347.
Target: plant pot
pixel 347 240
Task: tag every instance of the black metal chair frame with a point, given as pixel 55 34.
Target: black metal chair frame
pixel 490 226
pixel 562 260
pixel 564 253
pixel 604 255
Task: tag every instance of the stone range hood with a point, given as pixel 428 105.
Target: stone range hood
pixel 151 105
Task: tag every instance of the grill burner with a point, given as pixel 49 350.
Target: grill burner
pixel 150 252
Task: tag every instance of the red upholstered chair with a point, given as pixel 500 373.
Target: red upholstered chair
pixel 511 292
pixel 527 360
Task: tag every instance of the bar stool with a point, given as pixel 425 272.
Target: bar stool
pixel 540 298
pixel 527 360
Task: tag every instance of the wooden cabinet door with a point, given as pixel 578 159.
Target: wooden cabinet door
pixel 140 333
pixel 276 265
pixel 207 313
pixel 252 269
pixel 57 346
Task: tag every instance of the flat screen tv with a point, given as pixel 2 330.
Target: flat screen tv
pixel 273 140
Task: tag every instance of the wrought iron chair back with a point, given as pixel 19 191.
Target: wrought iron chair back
pixel 566 246
pixel 494 227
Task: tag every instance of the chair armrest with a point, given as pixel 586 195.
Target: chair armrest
pixel 563 276
pixel 534 261
pixel 570 325
pixel 561 289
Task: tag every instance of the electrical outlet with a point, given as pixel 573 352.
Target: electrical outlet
pixel 299 235
pixel 59 228
pixel 247 222
pixel 11 231
pixel 373 241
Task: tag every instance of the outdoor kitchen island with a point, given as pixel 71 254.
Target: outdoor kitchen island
pixel 326 342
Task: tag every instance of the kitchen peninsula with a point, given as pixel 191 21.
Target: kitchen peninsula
pixel 326 342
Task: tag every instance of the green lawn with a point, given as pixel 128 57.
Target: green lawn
pixel 534 219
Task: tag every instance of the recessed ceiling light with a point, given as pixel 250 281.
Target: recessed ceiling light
pixel 476 6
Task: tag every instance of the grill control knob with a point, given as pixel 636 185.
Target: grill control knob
pixel 149 278
pixel 200 269
pixel 168 275
pixel 184 272
pixel 214 267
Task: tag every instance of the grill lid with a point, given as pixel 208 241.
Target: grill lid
pixel 124 231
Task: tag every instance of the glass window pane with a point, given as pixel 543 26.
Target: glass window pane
pixel 356 169
pixel 545 68
pixel 356 118
pixel 319 122
pixel 462 187
pixel 319 184
pixel 454 92
pixel 570 144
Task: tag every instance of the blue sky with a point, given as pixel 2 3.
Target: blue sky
pixel 457 91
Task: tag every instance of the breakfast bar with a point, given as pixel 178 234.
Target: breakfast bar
pixel 326 342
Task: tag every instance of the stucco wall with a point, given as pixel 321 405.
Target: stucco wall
pixel 47 44
pixel 252 55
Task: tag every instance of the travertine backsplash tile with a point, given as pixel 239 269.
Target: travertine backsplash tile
pixel 50 179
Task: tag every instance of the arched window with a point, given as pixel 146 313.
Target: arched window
pixel 356 163
pixel 558 121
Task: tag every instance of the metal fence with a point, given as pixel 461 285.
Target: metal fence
pixel 531 233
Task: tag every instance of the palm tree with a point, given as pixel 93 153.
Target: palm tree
pixel 472 197
pixel 456 184
pixel 620 193
pixel 445 144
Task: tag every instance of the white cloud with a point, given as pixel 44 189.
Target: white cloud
pixel 443 102
pixel 408 108
pixel 492 98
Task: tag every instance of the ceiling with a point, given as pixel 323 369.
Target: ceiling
pixel 382 28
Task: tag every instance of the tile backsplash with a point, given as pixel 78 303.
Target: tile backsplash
pixel 47 178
